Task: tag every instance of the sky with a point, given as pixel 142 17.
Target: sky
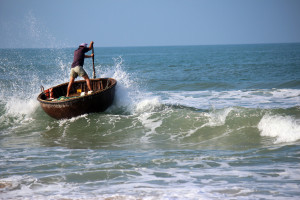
pixel 118 23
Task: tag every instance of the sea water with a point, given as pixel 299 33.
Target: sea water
pixel 187 122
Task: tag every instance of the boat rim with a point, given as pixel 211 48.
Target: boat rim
pixel 76 98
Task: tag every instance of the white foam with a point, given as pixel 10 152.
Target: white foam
pixel 264 98
pixel 17 106
pixel 283 128
pixel 145 109
pixel 147 105
pixel 18 111
pixel 218 117
pixel 127 91
pixel 16 184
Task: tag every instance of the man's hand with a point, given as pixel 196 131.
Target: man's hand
pixel 91 45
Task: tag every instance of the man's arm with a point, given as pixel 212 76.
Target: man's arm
pixel 91 45
pixel 87 56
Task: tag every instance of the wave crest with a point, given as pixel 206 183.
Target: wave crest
pixel 282 128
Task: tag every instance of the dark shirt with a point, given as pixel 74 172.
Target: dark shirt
pixel 79 56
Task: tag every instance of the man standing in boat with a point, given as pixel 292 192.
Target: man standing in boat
pixel 77 65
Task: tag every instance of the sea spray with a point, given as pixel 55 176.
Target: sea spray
pixel 24 71
pixel 282 128
pixel 37 35
pixel 34 34
pixel 19 97
pixel 24 78
pixel 128 91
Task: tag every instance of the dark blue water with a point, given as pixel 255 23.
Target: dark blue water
pixel 223 67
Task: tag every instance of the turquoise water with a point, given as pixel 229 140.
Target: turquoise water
pixel 188 122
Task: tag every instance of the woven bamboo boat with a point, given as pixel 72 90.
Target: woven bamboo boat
pixel 80 102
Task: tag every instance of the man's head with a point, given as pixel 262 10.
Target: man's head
pixel 83 45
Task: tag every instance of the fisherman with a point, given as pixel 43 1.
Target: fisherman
pixel 77 66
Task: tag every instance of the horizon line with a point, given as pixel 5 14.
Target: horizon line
pixel 137 46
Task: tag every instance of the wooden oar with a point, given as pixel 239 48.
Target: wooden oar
pixel 94 74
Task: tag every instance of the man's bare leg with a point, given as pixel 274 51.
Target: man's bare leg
pixel 70 85
pixel 88 82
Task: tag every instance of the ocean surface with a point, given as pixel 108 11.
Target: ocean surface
pixel 187 123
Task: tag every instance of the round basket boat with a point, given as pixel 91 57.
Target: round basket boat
pixel 80 101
